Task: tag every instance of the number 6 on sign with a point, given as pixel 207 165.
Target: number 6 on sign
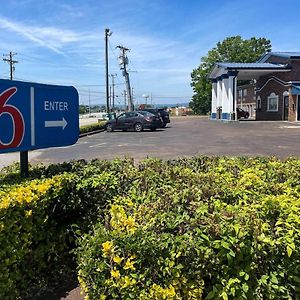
pixel 17 119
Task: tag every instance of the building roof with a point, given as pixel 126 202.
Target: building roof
pixel 295 88
pixel 235 66
pixel 246 70
pixel 287 55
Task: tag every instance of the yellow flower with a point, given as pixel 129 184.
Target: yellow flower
pixel 117 259
pixel 28 213
pixel 127 282
pixel 42 188
pixel 115 274
pixel 107 246
pixel 170 292
pixel 129 264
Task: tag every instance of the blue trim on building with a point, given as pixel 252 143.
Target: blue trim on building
pixel 224 76
pixel 225 116
pixel 213 116
pixel 233 73
pixel 295 90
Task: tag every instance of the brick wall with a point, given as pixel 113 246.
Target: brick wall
pixel 275 87
pixel 271 87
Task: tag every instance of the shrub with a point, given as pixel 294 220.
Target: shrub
pixel 202 228
pixel 31 242
pixel 37 218
pixel 92 127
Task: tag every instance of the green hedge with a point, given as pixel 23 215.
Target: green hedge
pixel 38 217
pixel 92 127
pixel 201 228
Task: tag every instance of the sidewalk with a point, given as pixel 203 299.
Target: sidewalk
pixel 74 294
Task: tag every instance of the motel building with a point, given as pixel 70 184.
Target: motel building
pixel 273 91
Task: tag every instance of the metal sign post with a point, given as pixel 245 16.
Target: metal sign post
pixel 24 169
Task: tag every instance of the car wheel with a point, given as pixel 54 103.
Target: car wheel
pixel 153 128
pixel 138 127
pixel 164 125
pixel 109 128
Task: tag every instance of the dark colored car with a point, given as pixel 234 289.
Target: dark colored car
pixel 242 113
pixel 161 113
pixel 136 120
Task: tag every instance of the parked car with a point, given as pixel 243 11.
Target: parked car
pixel 242 113
pixel 161 113
pixel 136 120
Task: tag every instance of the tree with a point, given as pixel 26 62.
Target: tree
pixel 82 109
pixel 232 49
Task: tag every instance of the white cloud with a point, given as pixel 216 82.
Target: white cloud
pixel 162 63
pixel 49 37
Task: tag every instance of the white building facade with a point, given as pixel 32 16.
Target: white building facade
pixel 224 77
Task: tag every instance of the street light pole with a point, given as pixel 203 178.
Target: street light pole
pixel 107 34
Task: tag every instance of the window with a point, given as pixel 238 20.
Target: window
pixel 272 102
pixel 258 105
pixel 245 92
pixel 122 116
pixel 131 114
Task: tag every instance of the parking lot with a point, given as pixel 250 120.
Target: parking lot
pixel 184 137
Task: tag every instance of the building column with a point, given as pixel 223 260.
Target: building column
pixel 225 97
pixel 214 99
pixel 230 96
pixel 219 96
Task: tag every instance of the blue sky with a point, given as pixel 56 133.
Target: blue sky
pixel 62 42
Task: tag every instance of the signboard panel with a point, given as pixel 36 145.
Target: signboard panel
pixel 35 116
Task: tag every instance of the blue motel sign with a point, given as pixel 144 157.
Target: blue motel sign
pixel 36 116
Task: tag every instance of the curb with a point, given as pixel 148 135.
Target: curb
pixel 90 133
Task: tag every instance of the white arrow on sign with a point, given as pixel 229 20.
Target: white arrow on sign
pixel 63 123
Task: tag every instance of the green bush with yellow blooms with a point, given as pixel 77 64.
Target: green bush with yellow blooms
pixel 199 228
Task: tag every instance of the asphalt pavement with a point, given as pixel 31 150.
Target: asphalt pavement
pixel 184 137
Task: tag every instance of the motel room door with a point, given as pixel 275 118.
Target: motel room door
pixel 285 108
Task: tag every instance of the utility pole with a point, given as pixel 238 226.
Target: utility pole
pixel 110 98
pixel 132 97
pixel 89 102
pixel 107 34
pixel 23 154
pixel 113 90
pixel 125 99
pixel 11 63
pixel 123 62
